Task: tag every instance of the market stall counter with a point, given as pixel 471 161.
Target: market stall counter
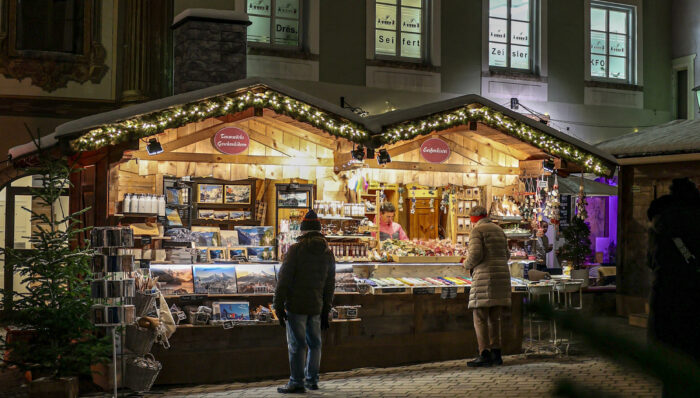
pixel 391 326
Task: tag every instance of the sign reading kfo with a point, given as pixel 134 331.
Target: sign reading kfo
pixel 435 150
pixel 231 140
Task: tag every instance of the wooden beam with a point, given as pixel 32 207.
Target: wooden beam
pixel 230 118
pixel 505 149
pixel 469 154
pixel 272 143
pixel 238 159
pixel 407 147
pixel 446 168
pixel 308 135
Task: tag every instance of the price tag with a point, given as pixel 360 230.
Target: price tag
pixel 146 240
pixel 228 324
pixel 181 315
pixel 542 184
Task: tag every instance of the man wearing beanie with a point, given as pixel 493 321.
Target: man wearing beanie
pixel 302 302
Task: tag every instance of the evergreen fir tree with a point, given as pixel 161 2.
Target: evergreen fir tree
pixel 578 234
pixel 56 272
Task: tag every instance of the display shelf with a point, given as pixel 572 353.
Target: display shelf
pixel 177 206
pixel 153 237
pixel 135 215
pixel 224 206
pixel 227 222
pixel 341 218
pixel 348 236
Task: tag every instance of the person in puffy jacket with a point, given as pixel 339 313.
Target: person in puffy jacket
pixel 490 291
pixel 302 302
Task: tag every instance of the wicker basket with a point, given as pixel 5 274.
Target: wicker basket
pixel 139 340
pixel 141 373
pixel 144 302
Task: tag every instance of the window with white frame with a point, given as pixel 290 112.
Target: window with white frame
pixel 511 34
pixel 612 38
pixel 274 22
pixel 400 29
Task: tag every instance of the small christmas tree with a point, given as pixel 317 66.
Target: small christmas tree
pixel 578 234
pixel 56 272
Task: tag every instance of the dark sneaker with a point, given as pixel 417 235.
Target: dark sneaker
pixel 482 360
pixel 311 386
pixel 291 389
pixel 496 356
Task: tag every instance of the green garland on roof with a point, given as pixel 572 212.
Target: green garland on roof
pixel 156 122
pixel 547 143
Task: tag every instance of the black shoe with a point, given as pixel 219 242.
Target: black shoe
pixel 482 360
pixel 291 389
pixel 311 386
pixel 496 356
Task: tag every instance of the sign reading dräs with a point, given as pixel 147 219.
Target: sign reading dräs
pixel 231 140
pixel 435 150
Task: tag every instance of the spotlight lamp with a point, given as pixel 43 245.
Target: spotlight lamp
pixel 548 165
pixel 383 157
pixel 358 153
pixel 154 147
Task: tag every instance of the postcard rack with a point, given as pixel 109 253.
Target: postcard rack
pixel 112 287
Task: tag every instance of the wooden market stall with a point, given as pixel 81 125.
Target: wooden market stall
pixel 257 154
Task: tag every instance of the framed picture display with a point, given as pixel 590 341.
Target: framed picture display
pixel 298 199
pixel 210 193
pixel 237 194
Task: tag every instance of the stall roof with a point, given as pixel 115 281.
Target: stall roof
pixel 570 186
pixel 379 127
pixel 675 137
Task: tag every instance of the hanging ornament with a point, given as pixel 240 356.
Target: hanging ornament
pixel 413 202
pixel 432 205
pixel 401 191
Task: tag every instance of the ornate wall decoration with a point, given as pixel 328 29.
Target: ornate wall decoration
pixel 52 70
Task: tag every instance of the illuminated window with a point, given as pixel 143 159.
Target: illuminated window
pixel 511 34
pixel 400 28
pixel 274 22
pixel 611 41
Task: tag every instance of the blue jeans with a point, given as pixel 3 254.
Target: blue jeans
pixel 304 331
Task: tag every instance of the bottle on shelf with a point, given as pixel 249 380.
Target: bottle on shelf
pixel 161 206
pixel 143 204
pixel 126 204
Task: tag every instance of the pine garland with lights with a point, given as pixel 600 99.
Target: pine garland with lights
pixel 463 115
pixel 157 122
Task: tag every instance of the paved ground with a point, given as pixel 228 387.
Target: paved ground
pixel 521 376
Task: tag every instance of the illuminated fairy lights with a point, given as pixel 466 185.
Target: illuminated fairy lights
pixel 547 143
pixel 156 122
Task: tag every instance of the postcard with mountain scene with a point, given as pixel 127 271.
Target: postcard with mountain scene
pixel 214 279
pixel 231 310
pixel 173 279
pixel 255 278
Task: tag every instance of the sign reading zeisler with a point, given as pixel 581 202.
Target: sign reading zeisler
pixel 435 150
pixel 231 140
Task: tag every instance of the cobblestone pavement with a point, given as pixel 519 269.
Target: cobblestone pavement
pixel 521 377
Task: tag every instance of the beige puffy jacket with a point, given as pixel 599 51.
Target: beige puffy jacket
pixel 488 263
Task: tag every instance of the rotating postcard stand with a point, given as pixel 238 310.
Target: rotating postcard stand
pixel 113 287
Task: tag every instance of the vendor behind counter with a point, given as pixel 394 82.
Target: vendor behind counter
pixel 388 229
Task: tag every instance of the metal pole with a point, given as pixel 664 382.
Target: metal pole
pixel 114 358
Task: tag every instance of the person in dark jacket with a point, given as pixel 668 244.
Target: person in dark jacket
pixel 303 299
pixel 674 257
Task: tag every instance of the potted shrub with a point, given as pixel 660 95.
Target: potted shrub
pixel 63 342
pixel 577 248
